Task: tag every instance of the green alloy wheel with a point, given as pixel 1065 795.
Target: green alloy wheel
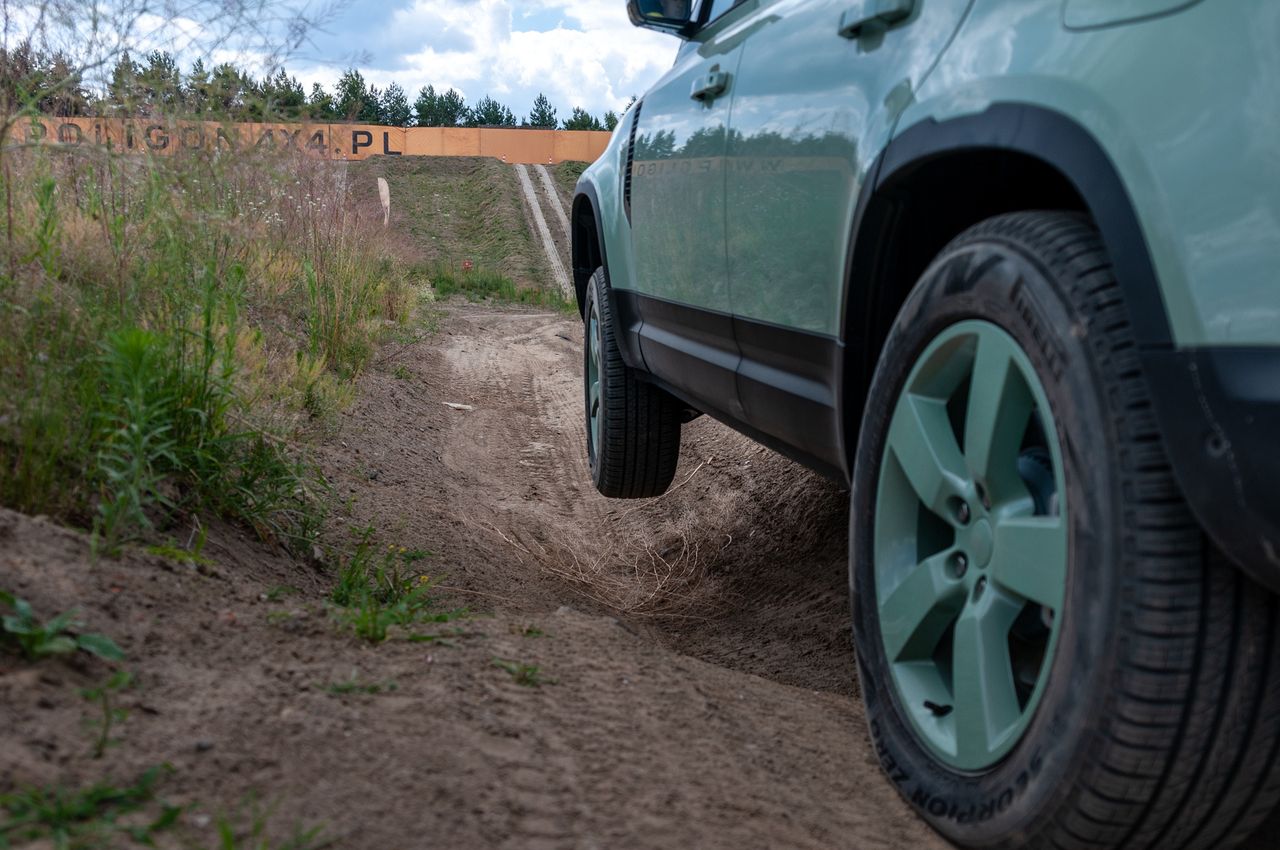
pixel 970 544
pixel 1050 652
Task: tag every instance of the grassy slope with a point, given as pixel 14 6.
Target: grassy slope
pixel 457 209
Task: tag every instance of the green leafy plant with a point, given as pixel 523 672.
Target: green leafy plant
pixel 478 284
pixel 150 351
pixel 525 675
pixel 281 591
pixel 378 589
pixel 86 818
pixel 354 686
pixel 59 636
pixel 110 714
pixel 253 834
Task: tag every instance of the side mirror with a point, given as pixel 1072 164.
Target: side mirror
pixel 669 16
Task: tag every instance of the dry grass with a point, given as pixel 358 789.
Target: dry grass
pixel 174 330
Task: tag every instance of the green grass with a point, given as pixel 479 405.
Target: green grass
pixel 240 831
pixel 173 332
pixel 378 590
pixel 281 591
pixel 59 636
pixel 525 675
pixel 480 284
pixel 109 714
pixel 87 818
pixel 355 686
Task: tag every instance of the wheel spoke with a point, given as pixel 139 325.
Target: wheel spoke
pixel 986 703
pixel 920 436
pixel 1031 558
pixel 915 614
pixel 996 417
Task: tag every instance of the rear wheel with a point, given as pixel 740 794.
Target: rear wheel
pixel 1050 654
pixel 633 427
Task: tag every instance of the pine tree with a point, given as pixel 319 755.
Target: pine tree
pixel 352 95
pixel 283 97
pixel 581 120
pixel 320 105
pixel 489 113
pixel 395 107
pixel 124 92
pixel 611 120
pixel 543 113
pixel 160 84
pixel 226 91
pixel 371 109
pixel 452 109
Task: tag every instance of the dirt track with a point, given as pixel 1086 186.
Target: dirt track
pixel 704 686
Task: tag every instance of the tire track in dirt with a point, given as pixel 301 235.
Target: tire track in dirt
pixel 742 563
pixel 696 701
pixel 738 570
pixel 554 259
pixel 552 196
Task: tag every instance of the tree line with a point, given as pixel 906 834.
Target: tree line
pixel 156 86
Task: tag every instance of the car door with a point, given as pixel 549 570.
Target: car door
pixel 818 89
pixel 678 219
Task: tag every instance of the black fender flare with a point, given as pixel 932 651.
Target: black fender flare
pixel 1064 145
pixel 1207 402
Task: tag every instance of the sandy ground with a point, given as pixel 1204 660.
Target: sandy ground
pixel 703 690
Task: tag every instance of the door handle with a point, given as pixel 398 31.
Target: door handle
pixel 867 16
pixel 709 86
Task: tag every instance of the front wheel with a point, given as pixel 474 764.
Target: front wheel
pixel 1050 654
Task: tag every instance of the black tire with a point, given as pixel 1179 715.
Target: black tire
pixel 640 423
pixel 1159 725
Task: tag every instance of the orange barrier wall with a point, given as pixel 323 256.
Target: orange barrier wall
pixel 326 141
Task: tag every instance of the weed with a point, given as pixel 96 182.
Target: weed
pixel 402 372
pixel 253 836
pixel 86 818
pixel 171 328
pixel 111 715
pixel 172 552
pixel 377 591
pixel 528 631
pixel 59 636
pixel 525 675
pixel 479 284
pixel 354 686
pixel 280 591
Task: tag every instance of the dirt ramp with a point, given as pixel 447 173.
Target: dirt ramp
pixel 742 562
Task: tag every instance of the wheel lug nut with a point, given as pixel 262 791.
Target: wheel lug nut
pixel 961 566
pixel 962 513
pixel 979 587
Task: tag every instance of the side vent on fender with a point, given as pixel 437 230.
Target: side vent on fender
pixel 631 153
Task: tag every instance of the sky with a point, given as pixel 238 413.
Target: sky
pixel 578 52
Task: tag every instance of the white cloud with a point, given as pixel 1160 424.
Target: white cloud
pixel 592 57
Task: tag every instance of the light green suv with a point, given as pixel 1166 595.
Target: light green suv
pixel 1011 270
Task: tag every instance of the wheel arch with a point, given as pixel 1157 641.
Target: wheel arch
pixel 588 251
pixel 935 179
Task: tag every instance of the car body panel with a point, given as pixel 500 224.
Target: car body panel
pixel 804 135
pixel 1150 125
pixel 803 138
pixel 1191 133
pixel 678 221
